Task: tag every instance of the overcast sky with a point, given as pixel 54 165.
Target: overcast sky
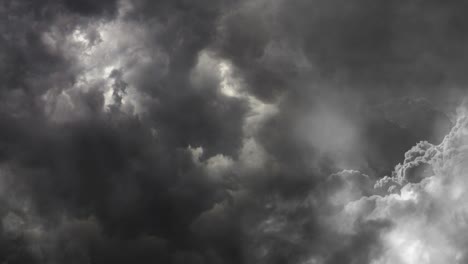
pixel 233 131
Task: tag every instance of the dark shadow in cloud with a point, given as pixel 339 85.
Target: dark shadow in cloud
pixel 377 48
pixel 92 8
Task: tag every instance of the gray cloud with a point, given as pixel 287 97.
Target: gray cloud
pixel 231 131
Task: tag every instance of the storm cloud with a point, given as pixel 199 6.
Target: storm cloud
pixel 212 131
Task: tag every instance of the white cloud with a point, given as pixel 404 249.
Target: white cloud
pixel 428 217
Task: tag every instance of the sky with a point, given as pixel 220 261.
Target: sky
pixel 233 131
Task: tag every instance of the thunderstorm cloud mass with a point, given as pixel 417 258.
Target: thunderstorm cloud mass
pixel 233 131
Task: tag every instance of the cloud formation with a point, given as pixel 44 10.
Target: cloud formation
pixel 225 132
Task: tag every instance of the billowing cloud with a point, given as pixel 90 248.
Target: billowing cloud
pixel 209 131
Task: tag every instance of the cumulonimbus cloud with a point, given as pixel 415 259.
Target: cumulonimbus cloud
pixel 222 132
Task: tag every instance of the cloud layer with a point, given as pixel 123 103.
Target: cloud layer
pixel 214 131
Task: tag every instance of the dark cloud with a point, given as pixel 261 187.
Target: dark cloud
pixel 87 7
pixel 377 47
pixel 229 131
